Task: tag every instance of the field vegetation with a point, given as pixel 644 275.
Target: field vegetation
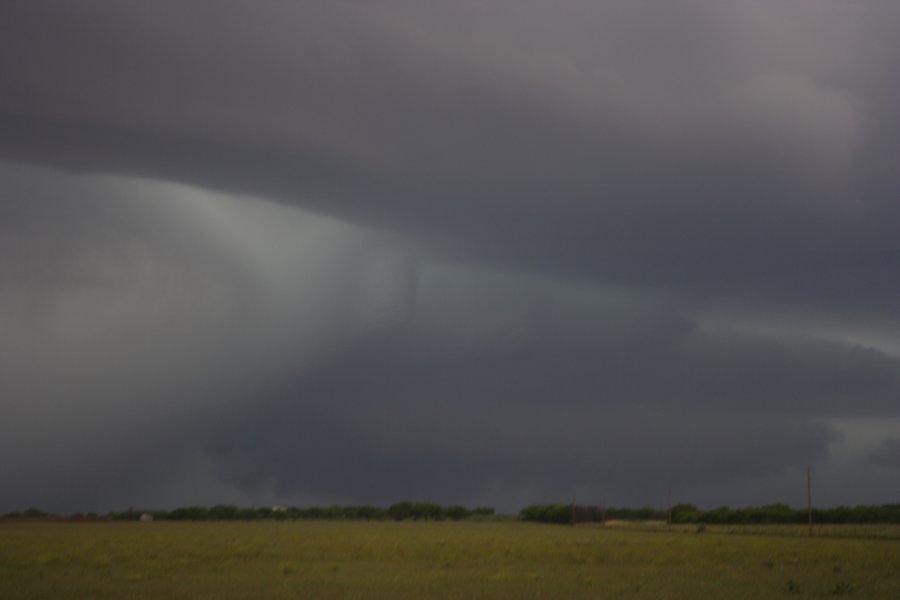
pixel 449 559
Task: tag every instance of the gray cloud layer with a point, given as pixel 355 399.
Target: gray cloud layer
pixel 594 246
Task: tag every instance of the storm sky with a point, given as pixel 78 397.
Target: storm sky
pixel 493 252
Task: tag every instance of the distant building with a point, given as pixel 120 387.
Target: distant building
pixel 146 517
pixel 279 508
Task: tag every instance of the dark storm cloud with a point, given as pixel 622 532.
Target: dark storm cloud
pixel 887 454
pixel 634 398
pixel 598 248
pixel 536 424
pixel 664 143
pixel 366 376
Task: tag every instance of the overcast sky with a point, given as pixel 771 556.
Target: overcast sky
pixel 493 252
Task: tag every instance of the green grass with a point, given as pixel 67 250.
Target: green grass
pixel 888 532
pixel 317 559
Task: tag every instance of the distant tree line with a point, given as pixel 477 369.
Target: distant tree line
pixel 688 513
pixel 541 513
pixel 401 511
pixel 568 513
pixel 782 513
pixel 28 513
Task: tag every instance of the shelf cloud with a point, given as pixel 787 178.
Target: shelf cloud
pixel 490 252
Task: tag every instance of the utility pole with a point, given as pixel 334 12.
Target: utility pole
pixel 809 498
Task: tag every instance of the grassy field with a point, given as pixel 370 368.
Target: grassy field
pixel 317 559
pixel 886 532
